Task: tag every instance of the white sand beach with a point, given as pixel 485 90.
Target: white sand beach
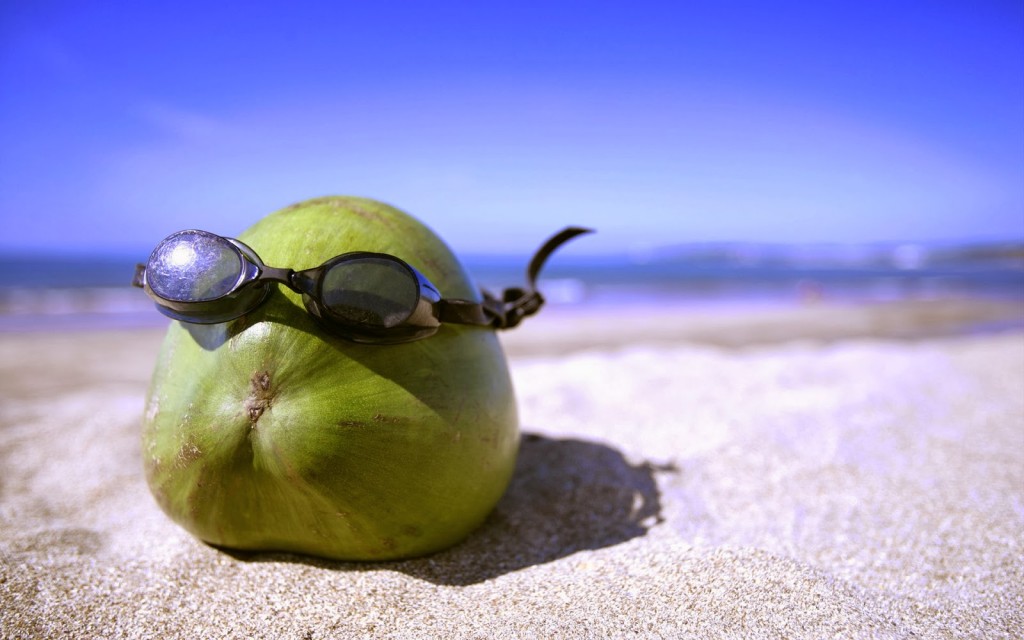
pixel 819 473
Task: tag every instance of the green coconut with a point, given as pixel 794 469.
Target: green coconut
pixel 269 433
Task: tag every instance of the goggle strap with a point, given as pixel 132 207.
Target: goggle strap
pixel 549 247
pixel 465 312
pixel 139 279
pixel 517 303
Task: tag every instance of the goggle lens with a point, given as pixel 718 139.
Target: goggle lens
pixel 370 291
pixel 194 266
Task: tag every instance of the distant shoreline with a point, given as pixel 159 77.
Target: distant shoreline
pixel 567 328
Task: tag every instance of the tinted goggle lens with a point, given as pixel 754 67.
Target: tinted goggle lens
pixel 194 266
pixel 373 291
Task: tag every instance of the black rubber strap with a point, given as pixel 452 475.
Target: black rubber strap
pixel 139 279
pixel 464 312
pixel 515 303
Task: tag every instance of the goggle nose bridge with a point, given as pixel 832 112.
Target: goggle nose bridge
pixel 286 277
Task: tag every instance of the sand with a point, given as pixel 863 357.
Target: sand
pixel 802 482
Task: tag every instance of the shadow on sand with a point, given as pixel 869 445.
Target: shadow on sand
pixel 566 496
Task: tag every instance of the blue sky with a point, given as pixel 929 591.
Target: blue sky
pixel 497 123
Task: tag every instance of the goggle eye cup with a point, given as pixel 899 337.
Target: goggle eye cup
pixel 373 291
pixel 194 266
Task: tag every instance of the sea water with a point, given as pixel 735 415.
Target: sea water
pixel 77 292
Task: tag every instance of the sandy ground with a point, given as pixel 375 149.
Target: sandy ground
pixel 778 477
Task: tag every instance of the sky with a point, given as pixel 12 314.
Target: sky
pixel 498 123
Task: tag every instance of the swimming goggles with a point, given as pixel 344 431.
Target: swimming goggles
pixel 375 298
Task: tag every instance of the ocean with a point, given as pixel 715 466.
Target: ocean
pixel 88 292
